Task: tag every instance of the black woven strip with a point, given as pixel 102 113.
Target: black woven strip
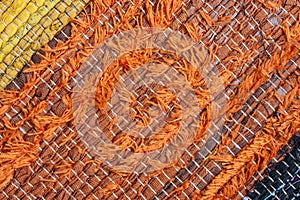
pixel 282 179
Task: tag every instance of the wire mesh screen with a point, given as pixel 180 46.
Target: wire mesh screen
pixel 157 99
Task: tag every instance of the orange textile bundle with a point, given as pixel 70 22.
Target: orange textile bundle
pixel 155 100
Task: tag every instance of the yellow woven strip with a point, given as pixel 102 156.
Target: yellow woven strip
pixel 13 9
pixel 23 21
pixel 4 6
pixel 39 29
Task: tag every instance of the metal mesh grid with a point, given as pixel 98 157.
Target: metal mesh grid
pixel 250 119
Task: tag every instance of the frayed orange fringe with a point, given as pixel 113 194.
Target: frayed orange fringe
pixel 18 153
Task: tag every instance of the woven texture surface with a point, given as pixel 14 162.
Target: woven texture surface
pixel 253 46
pixel 26 26
pixel 281 180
